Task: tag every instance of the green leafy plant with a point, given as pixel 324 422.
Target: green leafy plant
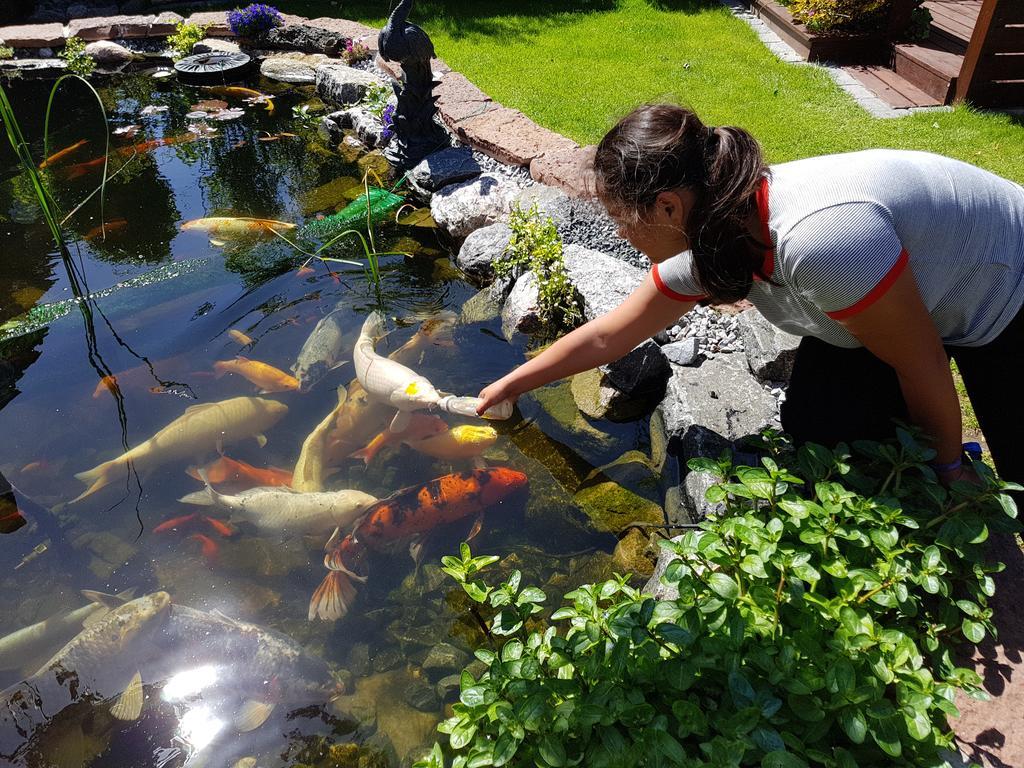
pixel 815 624
pixel 535 246
pixel 78 61
pixel 920 24
pixel 6 52
pixel 303 115
pixel 185 36
pixel 375 100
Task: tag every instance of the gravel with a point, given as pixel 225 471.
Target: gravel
pixel 717 331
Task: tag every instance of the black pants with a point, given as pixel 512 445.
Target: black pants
pixel 838 394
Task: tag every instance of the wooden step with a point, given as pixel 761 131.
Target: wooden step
pixel 929 67
pixel 891 88
pixel 953 22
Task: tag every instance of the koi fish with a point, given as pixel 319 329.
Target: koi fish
pixel 236 226
pixel 284 510
pixel 210 549
pixel 78 170
pixel 226 471
pixel 58 156
pixel 404 514
pixel 240 337
pixel 200 429
pixel 241 92
pixel 116 225
pixel 321 351
pixel 421 426
pixel 151 144
pixel 174 522
pixel 311 468
pixel 466 441
pixel 268 378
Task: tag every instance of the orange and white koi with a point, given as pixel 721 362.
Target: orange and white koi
pixel 421 425
pixel 404 514
pixel 263 375
pixel 228 471
pixel 236 226
pixel 58 156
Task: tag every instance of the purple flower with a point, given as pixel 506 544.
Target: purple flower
pixel 253 19
pixel 387 118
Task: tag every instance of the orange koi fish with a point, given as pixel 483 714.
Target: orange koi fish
pixel 147 146
pixel 266 377
pixel 240 337
pixel 174 522
pixel 226 470
pixel 222 528
pixel 402 515
pixel 58 156
pixel 210 548
pixel 421 425
pixel 116 225
pixel 240 92
pixel 78 170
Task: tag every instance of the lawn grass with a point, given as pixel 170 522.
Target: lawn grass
pixel 575 66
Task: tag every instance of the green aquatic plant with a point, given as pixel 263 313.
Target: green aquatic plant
pixel 535 246
pixel 303 115
pixel 813 621
pixel 6 52
pixel 78 61
pixel 185 36
pixel 375 100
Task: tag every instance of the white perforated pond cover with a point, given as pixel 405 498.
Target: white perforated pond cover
pixel 214 67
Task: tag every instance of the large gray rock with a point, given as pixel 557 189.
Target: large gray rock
pixel 341 84
pixel 483 307
pixel 109 54
pixel 683 352
pixel 445 167
pixel 295 68
pixel 771 351
pixel 707 409
pixel 480 249
pixel 603 281
pixel 300 37
pixel 462 208
pixel 215 45
pixel 368 127
pixel 331 127
pixel 640 372
pixel 521 312
pixel 445 658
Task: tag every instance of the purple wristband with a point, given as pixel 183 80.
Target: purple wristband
pixel 944 468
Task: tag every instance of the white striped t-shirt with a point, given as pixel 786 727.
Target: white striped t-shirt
pixel 844 227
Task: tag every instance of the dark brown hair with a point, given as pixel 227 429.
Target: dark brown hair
pixel 659 147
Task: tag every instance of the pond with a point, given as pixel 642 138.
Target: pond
pixel 235 668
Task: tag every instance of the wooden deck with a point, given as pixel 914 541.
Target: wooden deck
pixel 891 88
pixel 953 22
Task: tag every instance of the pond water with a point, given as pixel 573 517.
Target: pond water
pixel 246 673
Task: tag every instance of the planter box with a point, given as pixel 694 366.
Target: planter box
pixel 837 47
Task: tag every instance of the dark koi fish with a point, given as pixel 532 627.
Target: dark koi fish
pixel 402 515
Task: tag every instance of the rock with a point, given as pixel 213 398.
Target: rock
pixel 445 657
pixel 305 38
pixel 374 163
pixel 330 127
pixel 603 281
pixel 165 24
pixel 771 351
pixel 521 312
pixel 509 136
pixel 359 659
pixel 482 307
pixel 632 554
pixel 296 68
pixel 458 99
pixel 570 169
pixel 367 126
pixel 420 694
pixel 445 167
pixel 611 507
pixel 33 35
pixel 215 45
pixel 386 659
pixel 109 54
pixel 343 85
pixel 447 688
pixel 641 372
pixel 480 249
pixel 216 23
pixel 596 398
pixel 558 403
pixel 462 208
pixel 109 552
pixel 707 409
pixel 110 27
pixel 349 29
pixel 683 352
pixel 34 68
pixel 654 586
pixel 262 556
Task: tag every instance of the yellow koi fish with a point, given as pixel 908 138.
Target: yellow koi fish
pixel 237 226
pixel 466 441
pixel 58 156
pixel 240 337
pixel 199 430
pixel 240 92
pixel 266 377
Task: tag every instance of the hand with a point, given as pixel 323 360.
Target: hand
pixel 495 393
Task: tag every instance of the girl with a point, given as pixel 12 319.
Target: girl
pixel 887 262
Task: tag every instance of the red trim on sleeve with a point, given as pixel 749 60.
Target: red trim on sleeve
pixel 766 234
pixel 668 291
pixel 877 292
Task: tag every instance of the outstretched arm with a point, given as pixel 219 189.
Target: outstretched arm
pixel 604 339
